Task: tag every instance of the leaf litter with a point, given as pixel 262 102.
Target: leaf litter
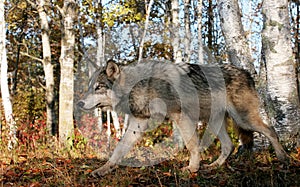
pixel 65 171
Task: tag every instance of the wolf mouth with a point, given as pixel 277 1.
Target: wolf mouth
pixel 81 104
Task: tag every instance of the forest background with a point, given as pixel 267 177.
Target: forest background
pixel 49 49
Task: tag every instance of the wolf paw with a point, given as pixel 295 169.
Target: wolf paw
pixel 284 158
pixel 189 169
pixel 105 169
pixel 211 166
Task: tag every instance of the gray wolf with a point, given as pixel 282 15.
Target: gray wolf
pixel 184 93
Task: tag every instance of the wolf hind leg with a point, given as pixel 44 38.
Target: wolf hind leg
pixel 252 122
pixel 226 147
pixel 217 127
pixel 246 139
pixel 271 134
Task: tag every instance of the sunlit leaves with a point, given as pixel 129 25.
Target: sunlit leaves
pixel 17 13
pixel 22 5
pixel 128 11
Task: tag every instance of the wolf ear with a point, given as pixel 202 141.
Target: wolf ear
pixel 112 69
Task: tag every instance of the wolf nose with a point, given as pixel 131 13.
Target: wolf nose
pixel 80 104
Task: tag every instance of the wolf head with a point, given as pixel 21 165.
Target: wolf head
pixel 143 89
pixel 100 88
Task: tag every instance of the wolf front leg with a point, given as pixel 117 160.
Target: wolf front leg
pixel 134 132
pixel 187 129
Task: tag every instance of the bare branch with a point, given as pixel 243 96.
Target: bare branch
pixel 32 4
pixel 60 10
pixel 33 57
pixel 145 30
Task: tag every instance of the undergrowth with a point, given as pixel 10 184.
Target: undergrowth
pixel 39 160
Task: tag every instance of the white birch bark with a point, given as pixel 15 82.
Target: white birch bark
pixel 126 121
pixel 187 26
pixel 199 26
pixel 177 55
pixel 116 124
pixel 100 46
pixel 175 31
pixel 66 88
pixel 280 65
pixel 236 39
pixel 99 56
pixel 141 47
pixel 100 34
pixel 48 68
pixel 7 105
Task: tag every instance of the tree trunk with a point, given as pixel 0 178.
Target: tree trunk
pixel 199 26
pixel 4 83
pixel 100 34
pixel 99 56
pixel 280 65
pixel 141 47
pixel 187 25
pixel 175 32
pixel 236 40
pixel 210 27
pixel 66 89
pixel 48 69
pixel 177 55
pixel 297 48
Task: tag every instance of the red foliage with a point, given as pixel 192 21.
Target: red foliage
pixel 90 130
pixel 29 133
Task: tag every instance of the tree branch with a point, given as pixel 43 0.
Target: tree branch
pixel 145 30
pixel 61 11
pixel 30 56
pixel 32 4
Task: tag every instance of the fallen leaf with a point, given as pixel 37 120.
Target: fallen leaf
pixel 167 174
pixel 35 184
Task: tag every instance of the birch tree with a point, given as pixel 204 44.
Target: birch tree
pixel 280 65
pixel 99 55
pixel 7 105
pixel 66 88
pixel 199 27
pixel 48 66
pixel 100 63
pixel 187 26
pixel 175 31
pixel 236 39
pixel 145 31
pixel 100 34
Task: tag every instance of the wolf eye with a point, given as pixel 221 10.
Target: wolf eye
pixel 100 88
pixel 97 87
